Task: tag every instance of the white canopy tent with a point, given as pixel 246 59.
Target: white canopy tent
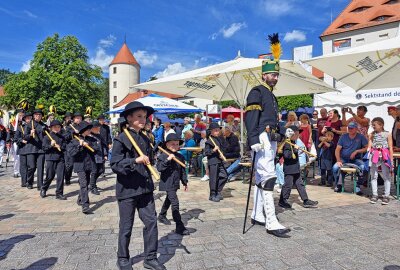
pixel 232 80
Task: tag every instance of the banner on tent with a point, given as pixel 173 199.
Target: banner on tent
pixel 372 95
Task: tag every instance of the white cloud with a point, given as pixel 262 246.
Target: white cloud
pixel 26 65
pixel 30 14
pixel 102 59
pixel 145 58
pixel 229 31
pixel 172 69
pixel 107 42
pixel 277 7
pixel 295 35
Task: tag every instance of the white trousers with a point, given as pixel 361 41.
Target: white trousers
pixel 2 145
pixel 264 207
pixel 16 158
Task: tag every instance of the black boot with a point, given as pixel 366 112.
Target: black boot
pixel 153 264
pixel 124 264
pixel 310 204
pixel 42 193
pixel 281 233
pixel 61 197
pixel 323 180
pixel 284 203
pixel 95 191
pixel 219 196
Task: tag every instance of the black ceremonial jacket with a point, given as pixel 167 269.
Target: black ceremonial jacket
pixel 18 138
pixel 84 160
pixel 171 172
pixel 213 157
pixel 132 179
pixel 35 144
pixel 290 165
pixel 52 153
pixel 261 111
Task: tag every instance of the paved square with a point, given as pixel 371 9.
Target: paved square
pixel 345 232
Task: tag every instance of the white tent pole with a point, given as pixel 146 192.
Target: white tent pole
pixel 241 131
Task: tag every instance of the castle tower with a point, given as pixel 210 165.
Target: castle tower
pixel 124 72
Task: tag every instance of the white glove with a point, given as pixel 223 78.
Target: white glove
pixel 256 147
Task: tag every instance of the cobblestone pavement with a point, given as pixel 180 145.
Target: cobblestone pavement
pixel 345 232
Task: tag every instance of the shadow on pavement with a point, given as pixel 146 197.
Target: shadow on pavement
pixel 10 243
pixel 42 264
pixel 391 267
pixel 100 203
pixel 2 217
pixel 168 244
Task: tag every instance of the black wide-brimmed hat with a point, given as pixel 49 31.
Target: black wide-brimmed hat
pixel 77 114
pixel 84 126
pixel 38 111
pixel 96 123
pixel 213 125
pixel 67 114
pixel 26 114
pixel 136 105
pixel 55 123
pixel 173 137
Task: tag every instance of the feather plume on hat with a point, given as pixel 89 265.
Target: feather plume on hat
pixel 276 48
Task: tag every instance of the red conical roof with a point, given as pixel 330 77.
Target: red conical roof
pixel 124 56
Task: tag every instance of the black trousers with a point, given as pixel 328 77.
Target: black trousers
pixel 96 174
pixel 83 197
pixel 147 213
pixel 53 168
pixel 69 166
pixel 291 179
pixel 173 201
pixel 326 175
pixel 218 177
pixel 35 161
pixel 23 169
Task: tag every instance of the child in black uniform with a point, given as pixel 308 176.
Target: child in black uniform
pixel 291 169
pixel 84 162
pixel 171 174
pixel 134 188
pixel 54 148
pixel 218 174
pixel 326 159
pixel 100 157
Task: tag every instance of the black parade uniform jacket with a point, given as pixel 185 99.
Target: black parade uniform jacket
pixel 291 164
pixel 35 144
pixel 132 179
pixel 84 159
pixel 261 111
pixel 171 172
pixel 19 137
pixel 52 153
pixel 214 157
pixel 102 150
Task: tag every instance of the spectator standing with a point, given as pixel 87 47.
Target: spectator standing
pixel 236 126
pixel 168 130
pixel 322 121
pixel 229 120
pixel 178 129
pixel 395 113
pixel 198 127
pixel 186 126
pixel 306 134
pixel 292 120
pixel 326 159
pixel 381 154
pixel 189 142
pixel 314 126
pixel 333 124
pixel 281 122
pixel 359 118
pixel 158 132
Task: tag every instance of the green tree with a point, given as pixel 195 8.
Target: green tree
pixel 4 75
pixel 59 75
pixel 227 103
pixel 291 103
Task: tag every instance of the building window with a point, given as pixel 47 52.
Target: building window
pixel 114 70
pixel 115 84
pixel 347 25
pixel 360 40
pixel 384 36
pixel 360 9
pixel 115 99
pixel 382 18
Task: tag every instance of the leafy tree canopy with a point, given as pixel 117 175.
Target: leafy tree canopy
pixel 4 75
pixel 292 103
pixel 59 75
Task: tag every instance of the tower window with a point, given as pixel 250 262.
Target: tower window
pixel 114 84
pixel 114 70
pixel 360 9
pixel 382 18
pixel 115 99
pixel 392 2
pixel 347 25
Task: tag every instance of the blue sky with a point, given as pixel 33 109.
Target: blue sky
pixel 166 37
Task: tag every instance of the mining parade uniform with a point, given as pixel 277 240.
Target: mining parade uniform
pixel 262 132
pixel 21 150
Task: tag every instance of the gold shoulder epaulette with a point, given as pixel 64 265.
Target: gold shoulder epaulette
pixel 253 107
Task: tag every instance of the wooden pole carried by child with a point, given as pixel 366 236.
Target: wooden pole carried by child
pixel 139 151
pixel 52 140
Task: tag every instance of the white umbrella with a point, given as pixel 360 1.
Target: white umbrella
pixel 162 105
pixel 232 80
pixel 371 66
